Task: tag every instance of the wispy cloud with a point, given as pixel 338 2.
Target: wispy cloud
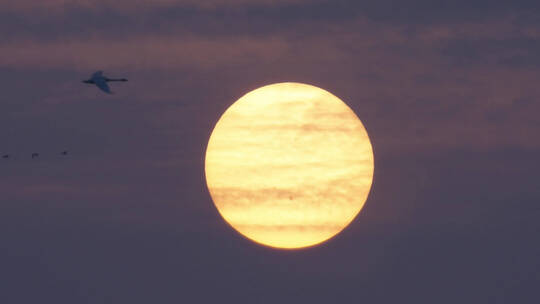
pixel 140 52
pixel 62 5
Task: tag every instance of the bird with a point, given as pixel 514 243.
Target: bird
pixel 34 155
pixel 101 81
pixel 5 156
pixel 64 153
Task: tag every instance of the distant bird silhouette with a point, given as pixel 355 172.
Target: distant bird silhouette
pixel 64 153
pixel 34 155
pixel 101 81
pixel 5 156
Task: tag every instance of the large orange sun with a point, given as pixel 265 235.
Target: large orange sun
pixel 289 165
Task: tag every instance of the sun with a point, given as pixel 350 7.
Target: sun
pixel 289 165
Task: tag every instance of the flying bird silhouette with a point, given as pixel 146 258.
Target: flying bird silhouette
pixel 64 153
pixel 34 155
pixel 101 81
pixel 5 156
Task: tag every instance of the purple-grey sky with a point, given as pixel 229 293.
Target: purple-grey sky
pixel 447 90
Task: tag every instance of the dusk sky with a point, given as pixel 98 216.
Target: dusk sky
pixel 448 92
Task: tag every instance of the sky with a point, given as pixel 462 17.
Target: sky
pixel 447 90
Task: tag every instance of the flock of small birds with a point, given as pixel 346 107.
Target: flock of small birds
pixel 33 155
pixel 101 82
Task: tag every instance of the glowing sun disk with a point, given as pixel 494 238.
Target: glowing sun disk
pixel 289 165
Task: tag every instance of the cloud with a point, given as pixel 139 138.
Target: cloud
pixel 443 72
pixel 254 19
pixel 151 52
pixel 122 5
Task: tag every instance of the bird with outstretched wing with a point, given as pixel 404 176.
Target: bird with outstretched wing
pixel 101 81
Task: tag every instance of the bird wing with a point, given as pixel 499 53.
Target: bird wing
pixel 102 84
pixel 98 74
